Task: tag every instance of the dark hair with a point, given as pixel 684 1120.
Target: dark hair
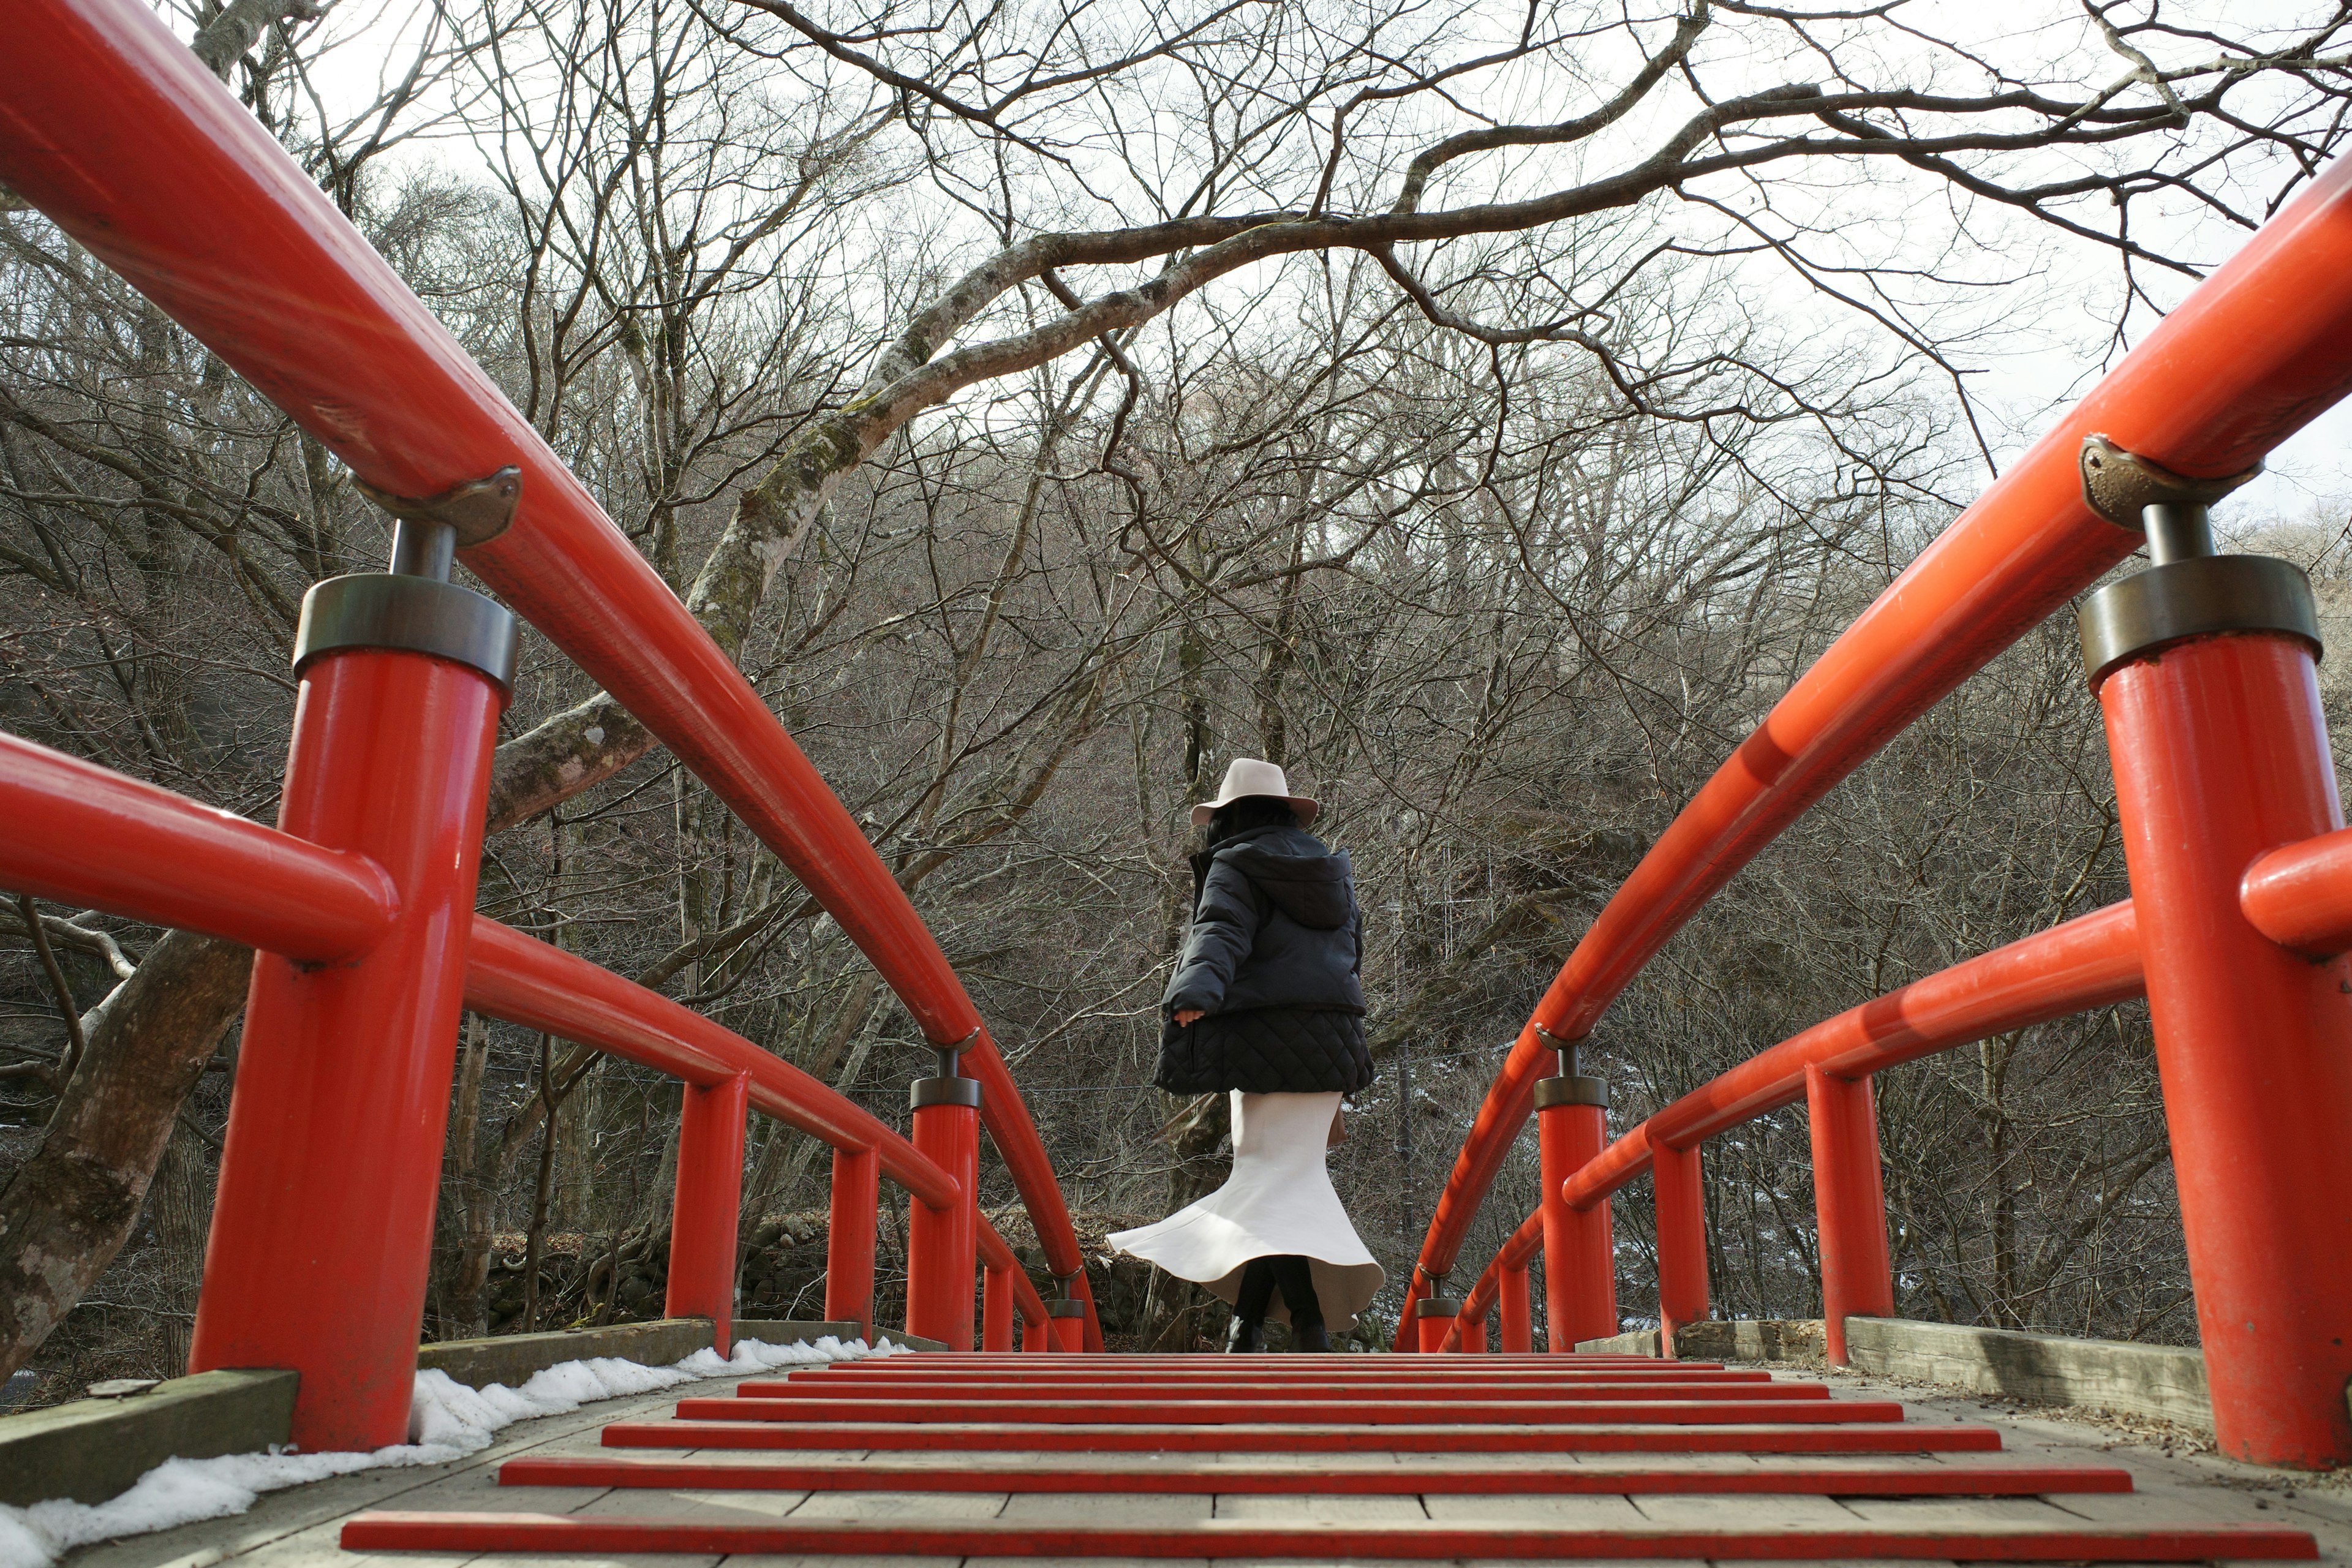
pixel 1247 815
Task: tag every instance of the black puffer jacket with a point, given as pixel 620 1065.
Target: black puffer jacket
pixel 1272 959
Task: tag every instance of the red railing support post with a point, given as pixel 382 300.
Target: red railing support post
pixel 941 1244
pixel 322 1226
pixel 708 1204
pixel 1580 1254
pixel 1518 1312
pixel 1038 1337
pixel 1434 1315
pixel 996 1309
pixel 2221 754
pixel 1065 1316
pixel 1849 1204
pixel 1682 1240
pixel 849 1239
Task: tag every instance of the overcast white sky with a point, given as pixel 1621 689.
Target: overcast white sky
pixel 2040 343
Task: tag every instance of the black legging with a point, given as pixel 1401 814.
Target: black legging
pixel 1261 1277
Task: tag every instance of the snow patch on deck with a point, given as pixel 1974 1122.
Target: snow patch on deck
pixel 446 1420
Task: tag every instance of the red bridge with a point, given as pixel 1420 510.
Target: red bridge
pixel 361 905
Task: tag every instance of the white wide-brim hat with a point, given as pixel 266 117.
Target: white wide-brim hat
pixel 1247 776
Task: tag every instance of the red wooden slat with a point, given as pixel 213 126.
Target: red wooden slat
pixel 1344 1412
pixel 1275 1438
pixel 1488 1392
pixel 1373 1480
pixel 1418 1540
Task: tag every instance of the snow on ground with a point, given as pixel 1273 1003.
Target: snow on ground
pixel 446 1420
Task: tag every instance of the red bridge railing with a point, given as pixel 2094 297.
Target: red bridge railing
pixel 361 905
pixel 2223 778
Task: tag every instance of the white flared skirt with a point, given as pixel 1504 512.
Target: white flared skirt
pixel 1279 1201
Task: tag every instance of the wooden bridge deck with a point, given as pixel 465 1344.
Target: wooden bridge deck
pixel 945 1460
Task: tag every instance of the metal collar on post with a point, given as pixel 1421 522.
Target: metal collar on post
pixel 2186 591
pixel 1063 1305
pixel 1567 1086
pixel 950 1087
pixel 414 607
pixel 1437 1303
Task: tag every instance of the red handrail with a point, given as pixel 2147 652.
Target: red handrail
pixel 534 984
pixel 2090 961
pixel 85 834
pixel 172 861
pixel 2254 354
pixel 2301 895
pixel 116 131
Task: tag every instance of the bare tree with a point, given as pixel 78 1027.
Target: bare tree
pixel 1484 417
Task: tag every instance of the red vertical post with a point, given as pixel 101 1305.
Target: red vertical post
pixel 709 1203
pixel 1682 1240
pixel 2221 754
pixel 1849 1204
pixel 1408 1335
pixel 1580 1253
pixel 322 1225
pixel 996 1309
pixel 1518 1335
pixel 1038 1337
pixel 1473 1337
pixel 849 1239
pixel 1434 1317
pixel 941 1243
pixel 1068 1321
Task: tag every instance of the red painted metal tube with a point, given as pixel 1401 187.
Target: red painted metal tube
pixel 83 835
pixel 996 1252
pixel 1680 1208
pixel 525 980
pixel 940 1237
pixel 709 1205
pixel 1091 1337
pixel 2089 962
pixel 1580 1250
pixel 232 240
pixel 1849 1204
pixel 996 1308
pixel 2221 753
pixel 1493 1287
pixel 322 1223
pixel 2301 895
pixel 2254 354
pixel 849 1239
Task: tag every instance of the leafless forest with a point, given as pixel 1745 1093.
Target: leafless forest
pixel 1485 411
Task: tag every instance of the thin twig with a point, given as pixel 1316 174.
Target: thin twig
pixel 76 1043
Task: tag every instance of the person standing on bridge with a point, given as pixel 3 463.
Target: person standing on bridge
pixel 1266 1006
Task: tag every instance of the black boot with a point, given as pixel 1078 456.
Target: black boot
pixel 1250 1303
pixel 1296 1279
